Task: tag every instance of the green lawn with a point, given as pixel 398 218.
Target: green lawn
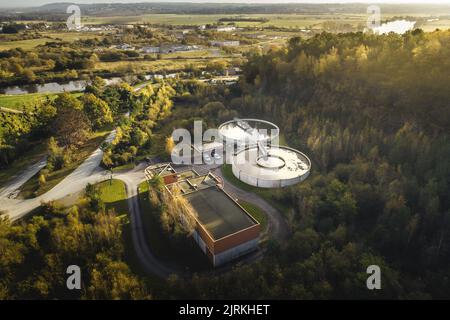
pixel 26 102
pixel 24 44
pixel 189 255
pixel 114 194
pixel 256 212
pixel 167 65
pixel 23 102
pixel 32 189
pixel 127 166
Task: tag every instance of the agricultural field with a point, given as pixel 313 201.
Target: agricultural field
pixel 24 44
pixel 272 20
pixel 46 37
pixel 442 24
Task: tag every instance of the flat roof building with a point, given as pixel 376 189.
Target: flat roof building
pixel 224 229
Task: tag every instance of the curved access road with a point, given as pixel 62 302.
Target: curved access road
pixel 88 172
pixel 151 264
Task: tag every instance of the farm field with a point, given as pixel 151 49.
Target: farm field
pixel 279 20
pixel 46 37
pixel 274 20
pixel 24 44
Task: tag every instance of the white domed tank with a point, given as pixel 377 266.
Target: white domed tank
pixel 256 157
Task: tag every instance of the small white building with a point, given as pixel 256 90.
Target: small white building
pixel 125 46
pixel 226 29
pixel 227 43
pixel 150 49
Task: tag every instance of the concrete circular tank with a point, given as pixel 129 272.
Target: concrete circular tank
pixel 256 159
pixel 248 131
pixel 280 167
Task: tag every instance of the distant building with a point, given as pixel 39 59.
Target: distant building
pixel 233 71
pixel 226 29
pixel 227 43
pixel 124 46
pixel 176 48
pixel 150 49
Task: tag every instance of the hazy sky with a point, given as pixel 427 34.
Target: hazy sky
pixel 17 3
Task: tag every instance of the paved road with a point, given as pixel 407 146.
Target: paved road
pixel 88 172
pixel 277 226
pixel 150 263
pixel 13 186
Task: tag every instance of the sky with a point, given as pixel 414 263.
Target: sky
pixel 26 3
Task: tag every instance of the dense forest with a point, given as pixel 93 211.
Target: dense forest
pixel 36 253
pixel 373 114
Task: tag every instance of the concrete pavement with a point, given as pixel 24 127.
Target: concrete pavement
pixel 148 261
pixel 88 172
pixel 11 189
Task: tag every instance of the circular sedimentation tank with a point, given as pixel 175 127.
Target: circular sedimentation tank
pixel 248 131
pixel 280 167
pixel 256 160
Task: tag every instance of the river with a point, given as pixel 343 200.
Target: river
pixel 53 87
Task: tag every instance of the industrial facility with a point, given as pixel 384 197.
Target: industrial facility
pixel 257 159
pixel 224 229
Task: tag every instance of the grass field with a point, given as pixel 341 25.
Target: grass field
pixel 46 37
pixel 313 21
pixel 25 102
pixel 113 193
pixel 279 20
pixel 24 44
